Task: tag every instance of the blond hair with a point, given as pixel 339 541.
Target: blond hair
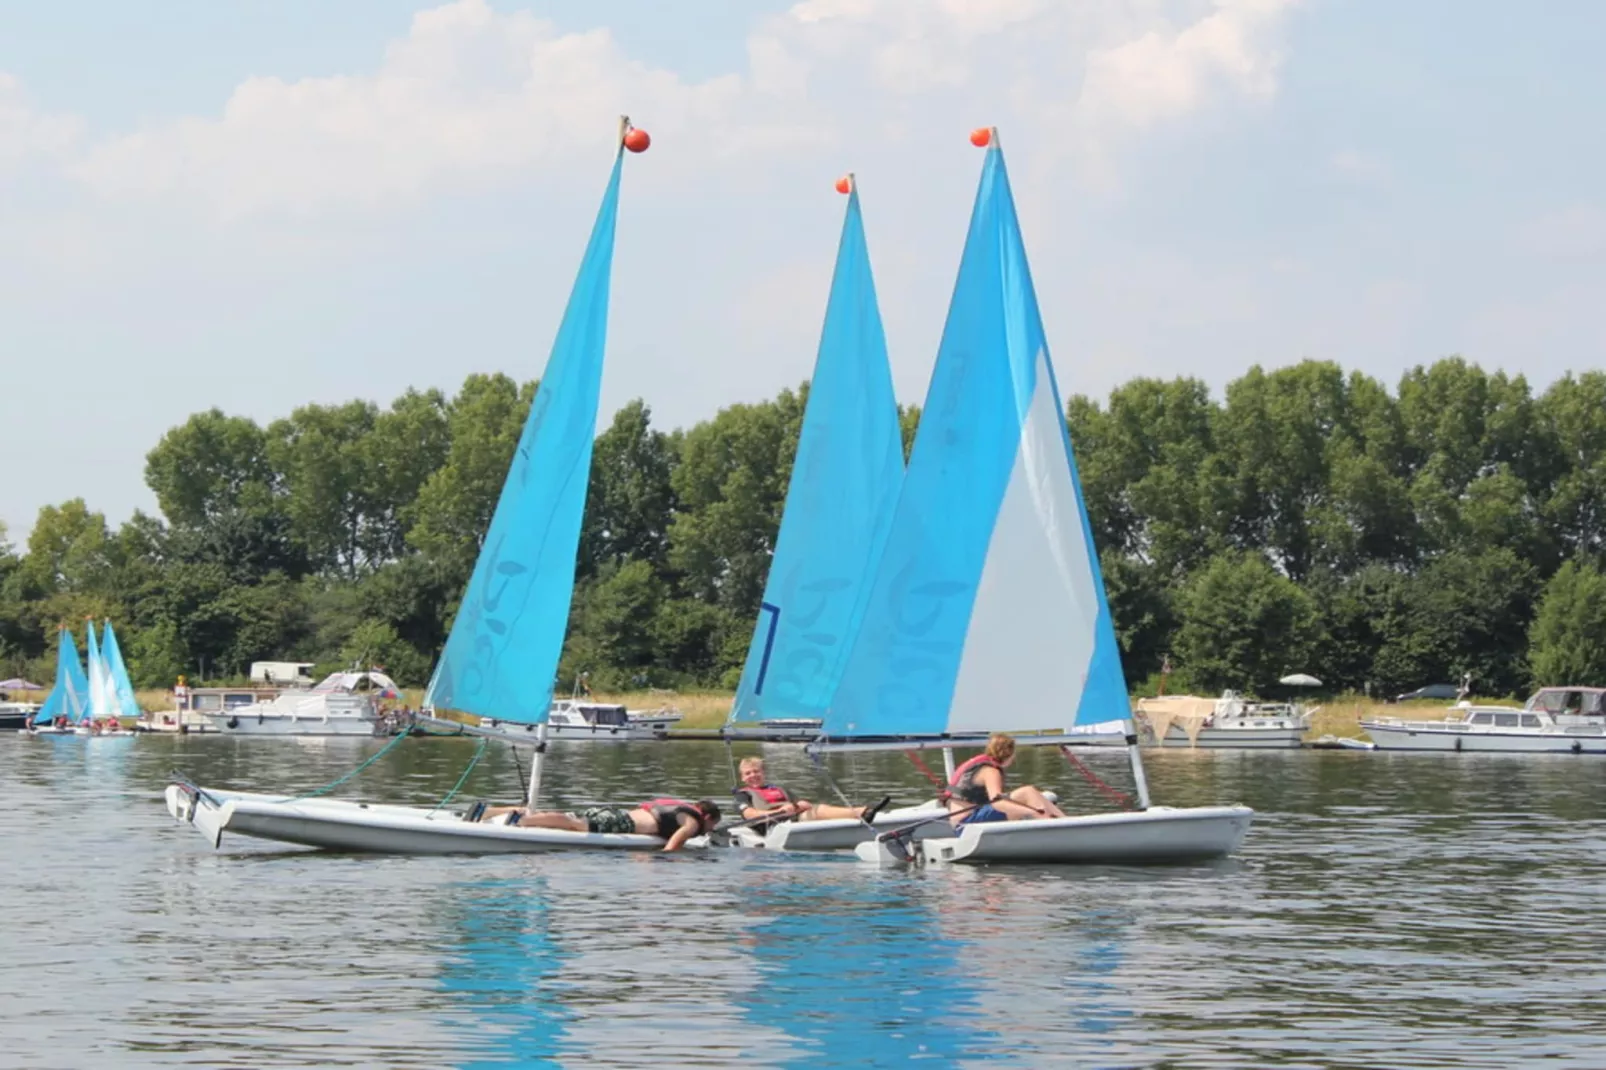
pixel 752 761
pixel 1000 747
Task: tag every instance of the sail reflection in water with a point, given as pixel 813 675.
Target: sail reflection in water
pixel 505 972
pixel 858 974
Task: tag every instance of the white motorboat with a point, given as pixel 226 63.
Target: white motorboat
pixel 579 719
pixel 343 704
pixel 1555 720
pixel 1230 721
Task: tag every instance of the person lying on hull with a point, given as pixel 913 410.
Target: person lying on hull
pixel 764 804
pixel 672 820
pixel 976 791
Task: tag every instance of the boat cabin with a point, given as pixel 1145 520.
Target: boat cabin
pixel 1506 719
pixel 600 714
pixel 1569 701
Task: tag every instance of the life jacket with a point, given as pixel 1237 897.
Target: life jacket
pixel 667 813
pixel 962 785
pixel 770 794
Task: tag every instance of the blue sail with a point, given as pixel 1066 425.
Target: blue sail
pixel 99 700
pixel 503 649
pixel 122 689
pixel 988 611
pixel 838 506
pixel 70 696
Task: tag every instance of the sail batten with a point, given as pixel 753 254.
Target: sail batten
pixel 987 610
pixel 502 653
pixel 839 502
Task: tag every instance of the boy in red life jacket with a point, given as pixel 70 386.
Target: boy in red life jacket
pixel 976 791
pixel 758 799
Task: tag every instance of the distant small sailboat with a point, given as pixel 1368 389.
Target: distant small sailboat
pixel 121 698
pixel 502 653
pixel 68 702
pixel 989 577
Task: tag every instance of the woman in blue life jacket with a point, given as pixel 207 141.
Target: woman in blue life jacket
pixel 759 801
pixel 672 820
pixel 976 791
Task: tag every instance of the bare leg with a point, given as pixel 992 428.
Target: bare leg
pixel 1030 796
pixel 553 819
pixel 823 812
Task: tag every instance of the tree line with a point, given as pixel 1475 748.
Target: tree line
pixel 1307 520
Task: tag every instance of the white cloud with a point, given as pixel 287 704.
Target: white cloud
pixel 27 133
pixel 1361 167
pixel 473 98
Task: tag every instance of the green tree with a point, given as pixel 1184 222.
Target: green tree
pixel 319 456
pixel 376 645
pixel 453 509
pixel 731 486
pixel 1244 625
pixel 630 500
pixel 612 636
pixel 204 466
pixel 1567 643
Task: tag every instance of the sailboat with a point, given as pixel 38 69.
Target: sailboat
pixel 119 688
pixel 989 577
pixel 502 652
pixel 69 698
pixel 839 505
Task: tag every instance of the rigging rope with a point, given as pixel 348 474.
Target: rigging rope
pixel 370 760
pixel 942 788
pixel 479 752
pixel 1120 798
pixel 524 781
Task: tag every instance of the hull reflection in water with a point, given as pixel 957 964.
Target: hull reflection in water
pixel 856 973
pixel 504 971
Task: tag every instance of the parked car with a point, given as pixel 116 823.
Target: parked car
pixel 1444 691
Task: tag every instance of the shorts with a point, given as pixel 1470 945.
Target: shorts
pixel 609 819
pixel 981 815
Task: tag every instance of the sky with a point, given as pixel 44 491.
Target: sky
pixel 269 203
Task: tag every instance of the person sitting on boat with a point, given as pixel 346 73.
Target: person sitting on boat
pixel 976 790
pixel 765 804
pixel 672 820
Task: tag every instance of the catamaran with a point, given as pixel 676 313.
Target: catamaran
pixel 988 577
pixel 68 702
pixel 502 652
pixel 839 504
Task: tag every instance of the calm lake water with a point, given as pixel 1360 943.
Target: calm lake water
pixel 1387 911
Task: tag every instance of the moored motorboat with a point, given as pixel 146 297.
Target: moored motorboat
pixel 1555 720
pixel 1230 721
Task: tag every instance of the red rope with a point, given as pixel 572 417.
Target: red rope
pixel 942 788
pixel 1120 798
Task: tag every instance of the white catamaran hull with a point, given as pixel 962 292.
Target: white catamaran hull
pixel 843 834
pixel 1158 834
pixel 338 825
